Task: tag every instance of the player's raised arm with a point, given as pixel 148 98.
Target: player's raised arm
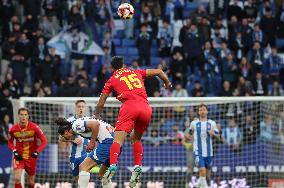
pixel 100 105
pixel 93 126
pixel 161 75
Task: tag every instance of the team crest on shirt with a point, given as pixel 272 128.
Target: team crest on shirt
pixel 78 128
pixel 209 126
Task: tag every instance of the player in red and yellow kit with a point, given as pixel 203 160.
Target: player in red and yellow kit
pixel 135 112
pixel 26 150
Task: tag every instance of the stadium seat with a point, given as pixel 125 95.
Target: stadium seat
pixel 132 51
pixel 128 42
pixel 121 51
pixel 155 61
pixel 116 41
pixel 154 52
pixel 280 44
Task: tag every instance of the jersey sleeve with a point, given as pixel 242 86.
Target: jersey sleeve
pixel 215 128
pixel 108 87
pixel 142 72
pixel 42 138
pixel 191 127
pixel 80 125
pixel 11 140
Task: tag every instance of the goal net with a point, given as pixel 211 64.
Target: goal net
pixel 249 155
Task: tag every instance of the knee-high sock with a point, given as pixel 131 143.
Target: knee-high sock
pixel 137 153
pixel 114 153
pixel 84 178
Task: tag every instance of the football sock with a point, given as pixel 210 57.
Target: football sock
pixel 137 153
pixel 202 182
pixel 114 153
pixel 83 180
pixel 18 185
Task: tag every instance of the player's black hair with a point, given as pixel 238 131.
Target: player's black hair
pixel 81 100
pixel 117 62
pixel 63 125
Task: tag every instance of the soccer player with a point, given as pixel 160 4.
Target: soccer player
pixel 94 130
pixel 26 134
pixel 135 112
pixel 203 129
pixel 77 144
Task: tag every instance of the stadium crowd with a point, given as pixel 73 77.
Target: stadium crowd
pixel 222 48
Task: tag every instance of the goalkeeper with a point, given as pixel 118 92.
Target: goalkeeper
pixel 94 130
pixel 203 130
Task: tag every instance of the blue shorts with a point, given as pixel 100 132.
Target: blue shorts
pixel 75 163
pixel 203 162
pixel 101 154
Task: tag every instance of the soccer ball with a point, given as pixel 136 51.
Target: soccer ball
pixel 125 11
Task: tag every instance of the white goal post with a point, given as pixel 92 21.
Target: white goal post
pixel 250 155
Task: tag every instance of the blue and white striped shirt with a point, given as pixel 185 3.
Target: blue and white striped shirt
pixel 202 143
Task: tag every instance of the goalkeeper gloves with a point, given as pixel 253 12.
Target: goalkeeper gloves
pixel 17 156
pixel 35 154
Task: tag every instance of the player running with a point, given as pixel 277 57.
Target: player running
pixel 203 129
pixel 26 134
pixel 135 112
pixel 94 130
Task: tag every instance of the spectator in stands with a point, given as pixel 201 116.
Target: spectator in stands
pixel 199 14
pixel 84 90
pixel 266 24
pixel 197 90
pixel 144 46
pixel 5 125
pixel 154 139
pixel 12 85
pixel 169 11
pixel 250 130
pixel 237 45
pixel 250 11
pixel 247 33
pixel 178 68
pixel 234 27
pixel 244 87
pixel 6 107
pixel 38 57
pixel 19 66
pixel 273 64
pixel 192 45
pixel 226 89
pixel 233 136
pixel 266 128
pixel 176 135
pixel 6 12
pixel 154 7
pixel 204 28
pixel 256 57
pixel 148 19
pixel 235 9
pixel 30 25
pixel 258 35
pixel 165 39
pixel 135 64
pixel 8 50
pixel 276 89
pixel 179 91
pixel 47 27
pixel 244 69
pixel 260 85
pixel 229 66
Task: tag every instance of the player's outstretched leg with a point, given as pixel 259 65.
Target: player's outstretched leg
pixel 119 137
pixel 137 154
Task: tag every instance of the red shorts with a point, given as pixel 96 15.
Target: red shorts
pixel 28 164
pixel 133 114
